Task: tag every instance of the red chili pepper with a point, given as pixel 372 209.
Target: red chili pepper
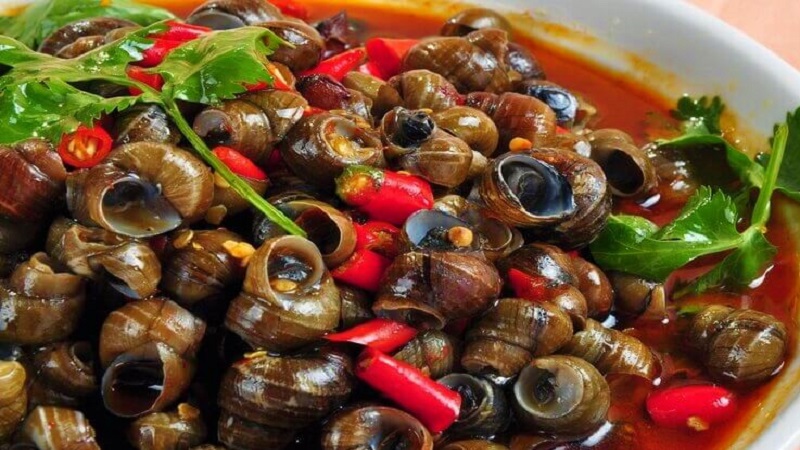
pixel 155 55
pixel 340 65
pixel 239 164
pixel 278 81
pixel 382 194
pixel 181 32
pixel 388 54
pixel 312 110
pixel 694 406
pixel 86 147
pixel 435 405
pixel 381 334
pixel 561 130
pixel 380 237
pixel 363 270
pixel 141 74
pixel 291 8
pixel 370 68
pixel 527 286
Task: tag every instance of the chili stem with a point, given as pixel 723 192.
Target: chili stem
pixel 237 184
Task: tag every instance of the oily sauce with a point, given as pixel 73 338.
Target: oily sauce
pixel 634 109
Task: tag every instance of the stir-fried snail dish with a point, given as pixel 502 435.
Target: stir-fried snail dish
pixel 277 224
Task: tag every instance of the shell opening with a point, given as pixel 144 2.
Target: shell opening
pixel 538 187
pixel 137 208
pixel 136 385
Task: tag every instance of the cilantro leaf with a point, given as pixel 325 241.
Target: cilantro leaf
pixel 42 17
pixel 789 175
pixel 705 226
pixel 48 109
pixel 218 66
pixel 702 116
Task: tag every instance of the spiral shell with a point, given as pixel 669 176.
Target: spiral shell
pixel 375 427
pixel 177 430
pixel 432 351
pixel 53 428
pixel 64 375
pixel 13 399
pixel 32 181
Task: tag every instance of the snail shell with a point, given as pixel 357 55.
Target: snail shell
pixel 228 14
pixel 54 428
pixel 372 427
pixel 741 346
pixel 511 333
pixel 516 116
pixel 612 351
pixel 150 320
pixel 432 351
pixel 431 288
pixel 484 409
pixel 629 170
pixel 423 89
pixel 13 399
pixel 64 375
pixel 474 19
pixel 177 430
pixel 474 444
pixel 561 394
pixel 40 302
pixel 266 399
pixel 288 299
pixel 32 181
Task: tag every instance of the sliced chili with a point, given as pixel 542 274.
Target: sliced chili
pixel 181 32
pixel 363 270
pixel 380 237
pixel 155 55
pixel 382 194
pixel 340 65
pixel 278 81
pixel 381 334
pixel 434 404
pixel 86 147
pixel 692 406
pixel 239 164
pixel 370 68
pixel 527 286
pixel 141 75
pixel 387 54
pixel 291 8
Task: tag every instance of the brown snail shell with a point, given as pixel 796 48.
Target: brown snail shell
pixel 266 399
pixel 288 299
pixel 150 320
pixel 472 126
pixel 323 92
pixel 740 346
pixel 41 303
pixel 145 379
pixel 629 171
pixel 521 60
pixel 356 306
pixel 383 96
pixel 145 123
pixel 320 146
pixel 227 202
pixel 252 124
pixel 638 297
pixel 612 351
pixel 430 289
pixel 561 394
pixel 228 14
pixel 497 238
pixel 331 230
pixel 198 267
pixel 438 230
pixel 512 332
pixel 372 427
pixel 474 444
pixel 423 89
pixel 432 351
pixel 516 116
pixel 474 19
pixel 595 286
pixel 176 430
pixel 484 408
pixel 32 179
pixel 54 428
pixel 13 398
pixel 64 375
pixel 474 62
pixel 306 44
pixel 76 38
pixel 136 180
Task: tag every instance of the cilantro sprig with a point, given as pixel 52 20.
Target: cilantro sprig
pixel 708 222
pixel 43 96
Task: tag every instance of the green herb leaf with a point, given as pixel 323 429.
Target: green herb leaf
pixel 789 175
pixel 631 244
pixel 702 116
pixel 218 66
pixel 42 17
pixel 50 109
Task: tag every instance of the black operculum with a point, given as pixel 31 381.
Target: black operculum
pixel 540 189
pixel 560 100
pixel 413 128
